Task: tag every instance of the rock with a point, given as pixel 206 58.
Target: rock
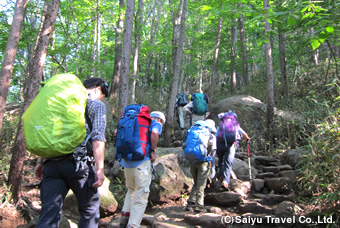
pixel 170 181
pixel 291 174
pixel 266 161
pixel 265 175
pixel 204 220
pixel 293 157
pixel 241 187
pixel 271 169
pixel 255 208
pixel 257 185
pixel 280 185
pixel 241 169
pixel 225 199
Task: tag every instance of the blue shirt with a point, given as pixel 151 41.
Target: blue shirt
pixel 154 127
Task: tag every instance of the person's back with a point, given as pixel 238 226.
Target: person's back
pixel 199 149
pixel 228 133
pixel 198 108
pixel 138 174
pixel 76 171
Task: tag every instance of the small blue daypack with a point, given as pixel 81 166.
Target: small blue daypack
pixel 133 133
pixel 181 100
pixel 196 143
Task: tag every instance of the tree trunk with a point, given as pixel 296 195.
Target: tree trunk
pixel 154 25
pixel 270 78
pixel 283 64
pixel 10 54
pixel 126 53
pixel 98 38
pixel 118 57
pixel 176 70
pixel 243 50
pixel 233 57
pixel 34 77
pixel 138 41
pixel 217 45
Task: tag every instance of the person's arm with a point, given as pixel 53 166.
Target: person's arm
pixel 98 141
pixel 187 107
pixel 38 170
pixel 98 153
pixel 154 142
pixel 246 137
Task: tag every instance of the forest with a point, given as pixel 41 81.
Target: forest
pixel 285 53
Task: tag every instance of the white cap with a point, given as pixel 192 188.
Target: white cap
pixel 157 114
pixel 211 125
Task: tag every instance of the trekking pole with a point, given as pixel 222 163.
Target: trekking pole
pixel 249 162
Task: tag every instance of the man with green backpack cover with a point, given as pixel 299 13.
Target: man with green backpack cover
pixel 67 160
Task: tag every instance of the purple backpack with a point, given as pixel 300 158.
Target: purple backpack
pixel 228 128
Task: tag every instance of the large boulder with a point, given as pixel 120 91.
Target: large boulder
pixel 251 114
pixel 170 182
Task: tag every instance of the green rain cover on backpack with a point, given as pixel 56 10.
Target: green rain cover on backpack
pixel 54 123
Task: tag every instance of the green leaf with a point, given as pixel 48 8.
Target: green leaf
pixel 259 43
pixel 315 44
pixel 269 21
pixel 236 15
pixel 330 29
pixel 205 8
pixel 291 21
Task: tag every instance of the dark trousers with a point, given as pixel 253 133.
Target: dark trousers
pixel 58 177
pixel 226 155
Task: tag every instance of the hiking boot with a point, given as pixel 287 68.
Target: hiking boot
pixel 124 219
pixel 199 210
pixel 225 185
pixel 190 207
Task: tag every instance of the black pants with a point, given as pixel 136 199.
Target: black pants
pixel 59 177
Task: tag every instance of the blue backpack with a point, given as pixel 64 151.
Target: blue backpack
pixel 196 143
pixel 181 100
pixel 133 133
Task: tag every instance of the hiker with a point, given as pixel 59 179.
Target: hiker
pixel 198 107
pixel 228 134
pixel 199 140
pixel 62 173
pixel 181 101
pixel 138 176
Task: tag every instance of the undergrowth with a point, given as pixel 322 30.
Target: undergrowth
pixel 321 166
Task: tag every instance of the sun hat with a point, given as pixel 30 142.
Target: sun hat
pixel 157 114
pixel 211 125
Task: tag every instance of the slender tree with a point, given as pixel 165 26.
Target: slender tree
pixel 118 55
pixel 138 31
pixel 10 54
pixel 126 52
pixel 270 75
pixel 233 78
pixel 176 70
pixel 34 77
pixel 243 49
pixel 217 45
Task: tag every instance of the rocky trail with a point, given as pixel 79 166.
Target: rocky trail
pixel 265 201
